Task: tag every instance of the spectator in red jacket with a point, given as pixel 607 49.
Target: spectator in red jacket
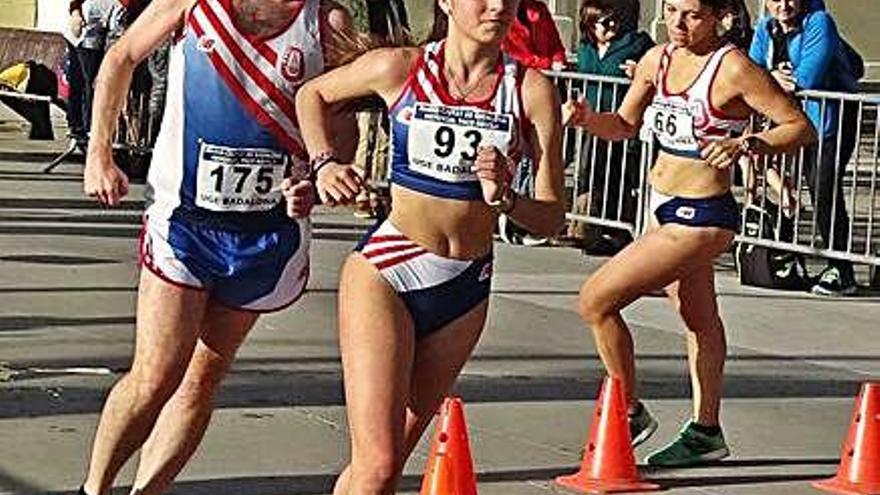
pixel 533 38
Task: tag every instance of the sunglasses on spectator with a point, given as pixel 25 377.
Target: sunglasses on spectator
pixel 607 21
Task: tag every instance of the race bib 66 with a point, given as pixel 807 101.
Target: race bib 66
pixel 673 125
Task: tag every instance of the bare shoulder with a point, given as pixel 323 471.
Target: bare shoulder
pixel 741 75
pixel 384 70
pixel 539 94
pixel 651 59
pixel 737 64
pixel 156 24
pixel 393 62
pixel 178 9
pixel 648 65
pixel 654 53
pixel 535 80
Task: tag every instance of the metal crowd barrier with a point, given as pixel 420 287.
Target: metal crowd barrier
pixel 609 187
pixel 604 197
pixel 607 180
pixel 137 128
pixel 133 138
pixel 854 235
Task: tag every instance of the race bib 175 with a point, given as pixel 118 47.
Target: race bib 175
pixel 239 179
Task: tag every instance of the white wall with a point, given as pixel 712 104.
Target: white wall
pixel 52 15
pixel 17 13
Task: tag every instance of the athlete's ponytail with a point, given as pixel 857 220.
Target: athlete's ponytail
pixel 440 27
pixel 345 46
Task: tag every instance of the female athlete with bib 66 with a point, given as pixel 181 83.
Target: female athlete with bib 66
pixel 694 93
pixel 413 297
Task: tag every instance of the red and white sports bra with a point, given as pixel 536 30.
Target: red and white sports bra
pixel 681 121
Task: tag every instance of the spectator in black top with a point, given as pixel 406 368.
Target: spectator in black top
pixel 738 25
pixel 92 18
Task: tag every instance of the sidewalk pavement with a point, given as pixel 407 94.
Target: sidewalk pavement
pixel 67 295
pixel 15 146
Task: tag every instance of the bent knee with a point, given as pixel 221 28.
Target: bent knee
pixel 594 304
pixel 152 389
pixel 202 378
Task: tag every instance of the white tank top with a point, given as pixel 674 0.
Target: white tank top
pixel 681 121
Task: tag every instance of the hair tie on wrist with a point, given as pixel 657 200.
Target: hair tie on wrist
pixel 320 160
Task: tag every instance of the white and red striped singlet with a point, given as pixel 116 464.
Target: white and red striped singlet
pixel 434 137
pixel 230 131
pixel 682 121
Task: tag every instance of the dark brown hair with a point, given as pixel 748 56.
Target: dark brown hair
pixel 718 5
pixel 440 26
pixel 624 12
pixel 740 34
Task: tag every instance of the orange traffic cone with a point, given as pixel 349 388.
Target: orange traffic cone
pixel 608 465
pixel 450 470
pixel 859 471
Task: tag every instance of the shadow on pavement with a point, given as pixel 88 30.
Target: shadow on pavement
pixel 40 290
pixel 116 218
pixel 64 230
pixel 84 203
pixel 129 232
pixel 17 178
pixel 748 463
pixel 708 481
pixel 303 387
pixel 55 259
pixel 28 322
pixel 314 484
pixel 14 486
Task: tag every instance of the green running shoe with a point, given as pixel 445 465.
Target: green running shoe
pixel 641 425
pixel 691 448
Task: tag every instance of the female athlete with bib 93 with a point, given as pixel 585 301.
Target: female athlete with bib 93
pixel 413 297
pixel 694 93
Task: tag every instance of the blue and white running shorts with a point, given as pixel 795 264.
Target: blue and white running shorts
pixel 436 290
pixel 719 211
pixel 253 271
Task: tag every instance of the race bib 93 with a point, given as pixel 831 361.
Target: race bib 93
pixel 443 141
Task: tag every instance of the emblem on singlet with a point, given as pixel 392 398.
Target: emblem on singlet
pixel 404 116
pixel 206 44
pixel 291 65
pixel 700 113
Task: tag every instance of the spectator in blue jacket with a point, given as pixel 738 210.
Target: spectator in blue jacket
pixel 799 44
